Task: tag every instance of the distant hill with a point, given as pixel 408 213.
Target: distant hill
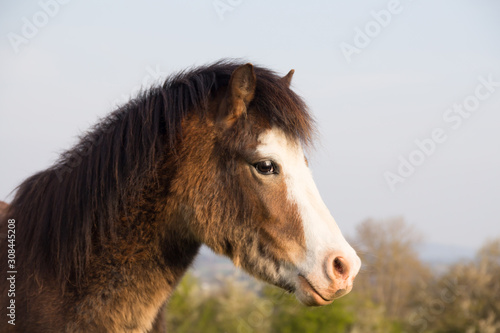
pixel 208 264
pixel 212 268
pixel 434 253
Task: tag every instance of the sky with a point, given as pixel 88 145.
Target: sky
pixel 406 94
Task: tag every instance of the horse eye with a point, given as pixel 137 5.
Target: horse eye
pixel 265 167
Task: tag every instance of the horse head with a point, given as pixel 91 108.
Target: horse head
pixel 245 189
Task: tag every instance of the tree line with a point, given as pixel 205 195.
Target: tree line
pixel 394 292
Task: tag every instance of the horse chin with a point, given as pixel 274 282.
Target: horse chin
pixel 304 290
pixel 307 294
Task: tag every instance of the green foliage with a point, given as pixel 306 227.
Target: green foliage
pixel 234 308
pixel 289 316
pixel 372 317
pixel 464 299
pixel 190 310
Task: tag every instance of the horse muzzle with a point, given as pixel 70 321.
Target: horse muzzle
pixel 323 286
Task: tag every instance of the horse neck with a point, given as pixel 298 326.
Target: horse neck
pixel 144 263
pixel 155 227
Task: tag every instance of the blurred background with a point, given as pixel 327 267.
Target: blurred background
pixel 406 95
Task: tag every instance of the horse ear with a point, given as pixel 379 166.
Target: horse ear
pixel 240 93
pixel 287 79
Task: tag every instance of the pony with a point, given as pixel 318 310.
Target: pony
pixel 215 156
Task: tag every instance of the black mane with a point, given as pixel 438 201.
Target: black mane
pixel 61 210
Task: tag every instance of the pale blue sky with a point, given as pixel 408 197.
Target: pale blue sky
pixel 370 111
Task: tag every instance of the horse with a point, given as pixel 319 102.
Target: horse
pixel 215 155
pixel 3 210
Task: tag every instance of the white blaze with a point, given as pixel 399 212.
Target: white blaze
pixel 322 235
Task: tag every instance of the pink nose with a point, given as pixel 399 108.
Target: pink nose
pixel 341 272
pixel 337 279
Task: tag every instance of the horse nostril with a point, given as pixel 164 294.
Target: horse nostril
pixel 340 267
